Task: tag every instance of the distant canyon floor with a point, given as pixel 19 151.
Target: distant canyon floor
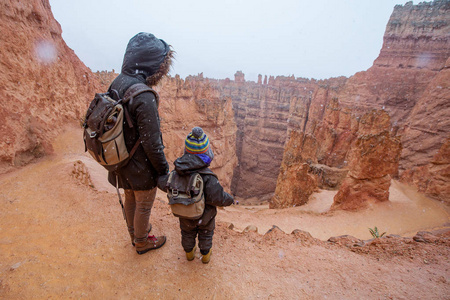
pixel 406 213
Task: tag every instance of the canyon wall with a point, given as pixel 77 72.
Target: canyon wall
pixel 252 126
pixel 409 80
pixel 261 111
pixel 426 140
pixel 43 84
pixel 268 111
pixel 415 48
pixel 195 102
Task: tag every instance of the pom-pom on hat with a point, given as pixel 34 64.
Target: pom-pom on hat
pixel 197 142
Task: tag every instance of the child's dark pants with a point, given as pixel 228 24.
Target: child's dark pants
pixel 189 231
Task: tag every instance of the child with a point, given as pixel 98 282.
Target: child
pixel 196 158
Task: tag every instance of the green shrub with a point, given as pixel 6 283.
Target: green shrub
pixel 374 232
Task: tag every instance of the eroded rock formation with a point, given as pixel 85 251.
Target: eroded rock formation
pixel 409 80
pixel 261 113
pixel 323 146
pixel 43 83
pixel 373 157
pixel 295 184
pixel 371 154
pixel 264 112
pixel 250 122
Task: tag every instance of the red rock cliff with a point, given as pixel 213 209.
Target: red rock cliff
pixel 373 157
pixel 43 83
pixel 416 45
pixel 409 80
pixel 426 137
pixel 195 102
pixel 262 114
pixel 246 121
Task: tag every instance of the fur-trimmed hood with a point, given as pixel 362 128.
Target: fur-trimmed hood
pixel 144 56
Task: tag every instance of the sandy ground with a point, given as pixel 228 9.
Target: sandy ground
pixel 405 214
pixel 61 238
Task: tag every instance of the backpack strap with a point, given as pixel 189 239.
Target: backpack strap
pixel 133 150
pixel 169 182
pixel 133 91
pixel 137 89
pixel 192 178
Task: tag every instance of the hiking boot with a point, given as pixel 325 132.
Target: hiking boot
pixel 132 235
pixel 151 244
pixel 190 255
pixel 207 257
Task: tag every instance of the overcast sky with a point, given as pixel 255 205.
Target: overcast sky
pixel 313 39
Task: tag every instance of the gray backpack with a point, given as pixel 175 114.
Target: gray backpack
pixel 185 194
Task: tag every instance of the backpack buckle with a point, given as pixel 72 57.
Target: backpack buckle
pixel 175 193
pixel 93 134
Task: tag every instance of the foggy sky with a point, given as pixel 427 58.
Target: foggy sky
pixel 313 39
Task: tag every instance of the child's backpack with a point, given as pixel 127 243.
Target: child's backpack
pixel 103 127
pixel 185 194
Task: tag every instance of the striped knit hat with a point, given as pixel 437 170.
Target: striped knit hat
pixel 197 142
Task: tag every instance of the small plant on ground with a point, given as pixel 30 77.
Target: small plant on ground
pixel 374 232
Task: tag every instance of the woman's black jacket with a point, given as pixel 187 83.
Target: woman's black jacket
pixel 149 161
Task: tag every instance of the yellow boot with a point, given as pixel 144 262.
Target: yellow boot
pixel 207 257
pixel 190 255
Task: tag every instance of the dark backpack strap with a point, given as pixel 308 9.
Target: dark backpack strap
pixel 133 91
pixel 133 150
pixel 127 116
pixel 137 89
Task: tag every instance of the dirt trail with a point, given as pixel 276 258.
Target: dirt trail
pixel 60 238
